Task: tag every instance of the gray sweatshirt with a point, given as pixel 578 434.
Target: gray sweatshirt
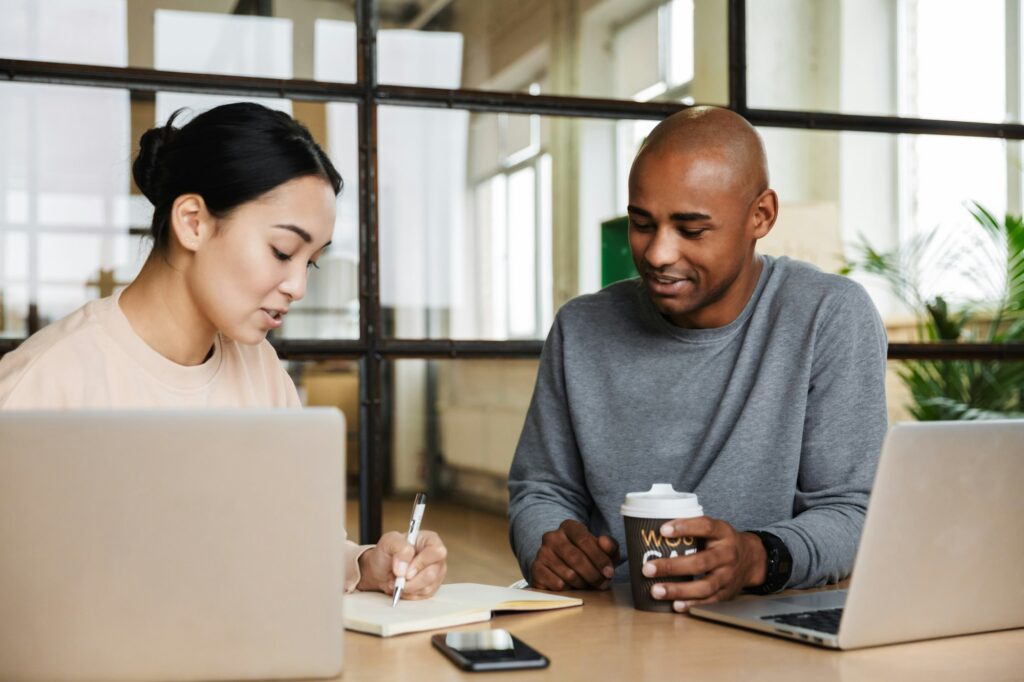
pixel 774 420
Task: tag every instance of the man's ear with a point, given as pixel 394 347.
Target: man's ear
pixel 191 221
pixel 764 212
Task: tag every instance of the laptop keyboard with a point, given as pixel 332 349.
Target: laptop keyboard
pixel 822 620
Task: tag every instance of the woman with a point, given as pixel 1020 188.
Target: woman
pixel 244 206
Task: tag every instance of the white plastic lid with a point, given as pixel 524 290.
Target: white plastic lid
pixel 662 501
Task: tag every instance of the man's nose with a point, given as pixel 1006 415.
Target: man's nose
pixel 663 249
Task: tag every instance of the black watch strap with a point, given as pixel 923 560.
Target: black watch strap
pixel 779 564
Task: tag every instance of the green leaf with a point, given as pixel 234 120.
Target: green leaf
pixel 947 327
pixel 959 389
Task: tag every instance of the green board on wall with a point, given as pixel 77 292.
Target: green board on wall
pixel 616 259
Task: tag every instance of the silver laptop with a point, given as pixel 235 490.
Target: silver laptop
pixel 942 551
pixel 183 545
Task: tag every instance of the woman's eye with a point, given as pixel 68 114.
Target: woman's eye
pixel 312 264
pixel 279 255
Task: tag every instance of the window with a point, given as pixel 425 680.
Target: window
pixel 472 210
pixel 943 174
pixel 512 197
pixel 649 70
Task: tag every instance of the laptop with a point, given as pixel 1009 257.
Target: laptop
pixel 187 545
pixel 941 553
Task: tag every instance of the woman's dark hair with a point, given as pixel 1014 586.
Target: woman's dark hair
pixel 228 155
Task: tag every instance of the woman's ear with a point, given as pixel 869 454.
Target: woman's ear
pixel 191 221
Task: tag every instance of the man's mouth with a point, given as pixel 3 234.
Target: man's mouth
pixel 667 285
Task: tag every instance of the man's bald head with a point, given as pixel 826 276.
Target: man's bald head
pixel 713 134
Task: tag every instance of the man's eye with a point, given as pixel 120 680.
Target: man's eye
pixel 692 234
pixel 642 226
pixel 280 255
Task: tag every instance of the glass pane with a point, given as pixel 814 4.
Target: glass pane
pixel 282 39
pixel 456 230
pixel 954 389
pixel 522 259
pixel 489 222
pixel 14 310
pixel 64 216
pixel 841 192
pixel 72 226
pixel 335 383
pixel 78 31
pixel 942 59
pixel 454 428
pixel 673 50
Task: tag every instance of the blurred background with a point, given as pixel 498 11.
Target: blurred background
pixel 485 185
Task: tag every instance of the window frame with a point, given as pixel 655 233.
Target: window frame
pixel 375 346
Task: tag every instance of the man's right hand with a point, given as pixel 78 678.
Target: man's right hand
pixel 572 558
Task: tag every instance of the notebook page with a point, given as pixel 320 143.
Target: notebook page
pixel 372 612
pixel 496 598
pixel 454 604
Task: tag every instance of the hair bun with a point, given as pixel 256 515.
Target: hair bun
pixel 147 167
pixel 229 155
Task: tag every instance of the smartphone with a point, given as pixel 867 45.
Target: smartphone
pixel 481 650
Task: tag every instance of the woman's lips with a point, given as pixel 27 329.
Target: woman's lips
pixel 272 318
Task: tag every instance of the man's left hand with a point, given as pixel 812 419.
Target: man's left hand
pixel 730 561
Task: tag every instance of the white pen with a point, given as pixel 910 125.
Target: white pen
pixel 418 506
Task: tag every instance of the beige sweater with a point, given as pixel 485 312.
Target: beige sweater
pixel 93 359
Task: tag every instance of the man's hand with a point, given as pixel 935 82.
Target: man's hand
pixel 730 561
pixel 572 558
pixel 423 566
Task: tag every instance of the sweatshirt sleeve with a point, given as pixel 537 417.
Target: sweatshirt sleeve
pixel 844 425
pixel 546 481
pixel 49 380
pixel 352 572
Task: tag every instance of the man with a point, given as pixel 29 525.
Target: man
pixel 756 383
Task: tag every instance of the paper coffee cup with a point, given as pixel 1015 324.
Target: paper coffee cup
pixel 644 513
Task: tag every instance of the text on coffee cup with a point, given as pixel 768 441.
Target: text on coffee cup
pixel 653 540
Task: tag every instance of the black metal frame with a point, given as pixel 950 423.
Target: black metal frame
pixel 371 386
pixel 374 348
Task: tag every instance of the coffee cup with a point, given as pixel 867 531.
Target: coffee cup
pixel 644 513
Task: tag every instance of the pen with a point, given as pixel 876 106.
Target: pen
pixel 418 506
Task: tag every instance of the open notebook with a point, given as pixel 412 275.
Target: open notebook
pixel 454 604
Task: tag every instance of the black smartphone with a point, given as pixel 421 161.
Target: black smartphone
pixel 481 650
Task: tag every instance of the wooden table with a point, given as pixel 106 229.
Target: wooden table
pixel 607 639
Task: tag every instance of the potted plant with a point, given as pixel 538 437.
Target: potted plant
pixel 960 389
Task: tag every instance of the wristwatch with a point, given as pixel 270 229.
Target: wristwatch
pixel 779 565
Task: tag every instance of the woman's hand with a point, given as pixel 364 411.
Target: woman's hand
pixel 423 566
